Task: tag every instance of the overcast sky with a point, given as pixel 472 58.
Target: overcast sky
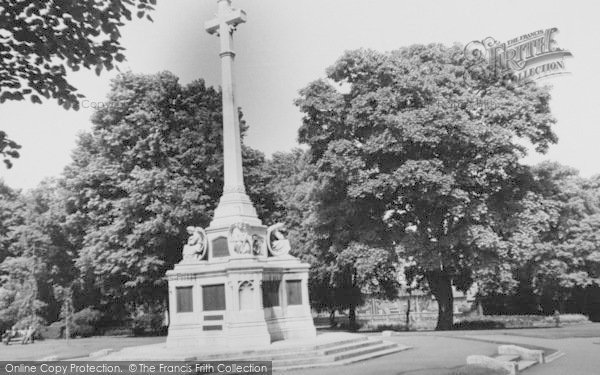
pixel 288 43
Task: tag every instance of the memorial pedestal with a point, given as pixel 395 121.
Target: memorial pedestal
pixel 238 300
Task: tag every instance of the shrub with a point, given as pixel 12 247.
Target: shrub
pixel 147 322
pixel 568 319
pixel 53 331
pixel 117 331
pixel 373 327
pixel 82 323
pixel 478 324
pixel 517 321
pixel 87 316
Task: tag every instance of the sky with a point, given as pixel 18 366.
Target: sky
pixel 288 43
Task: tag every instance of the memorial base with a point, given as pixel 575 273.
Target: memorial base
pixel 239 302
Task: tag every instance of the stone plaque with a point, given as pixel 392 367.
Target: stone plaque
pixel 220 248
pixel 185 300
pixel 213 317
pixel 212 328
pixel 270 290
pixel 294 292
pixel 213 297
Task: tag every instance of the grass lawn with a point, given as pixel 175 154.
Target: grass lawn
pixel 72 349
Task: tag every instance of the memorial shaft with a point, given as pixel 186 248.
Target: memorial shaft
pixel 234 206
pixel 232 149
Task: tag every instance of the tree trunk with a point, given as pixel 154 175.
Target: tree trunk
pixel 441 288
pixel 352 318
pixel 332 318
pixel 67 329
pixel 408 311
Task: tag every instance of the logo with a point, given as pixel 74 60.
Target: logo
pixel 529 57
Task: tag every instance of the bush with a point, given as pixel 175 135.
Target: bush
pixel 83 324
pixel 147 322
pixel 517 321
pixel 117 331
pixel 373 327
pixel 478 324
pixel 53 331
pixel 568 319
pixel 87 316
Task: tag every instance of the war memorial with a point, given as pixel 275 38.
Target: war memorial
pixel 237 284
pixel 237 293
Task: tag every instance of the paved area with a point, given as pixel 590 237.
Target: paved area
pixel 582 356
pixel 160 351
pixel 430 355
pixel 433 353
pixel 439 353
pixel 74 348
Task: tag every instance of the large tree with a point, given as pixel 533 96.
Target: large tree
pixel 151 166
pixel 415 151
pixel 40 40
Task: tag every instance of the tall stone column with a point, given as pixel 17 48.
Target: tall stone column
pixel 235 205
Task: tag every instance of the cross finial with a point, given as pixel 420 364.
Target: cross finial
pixel 226 17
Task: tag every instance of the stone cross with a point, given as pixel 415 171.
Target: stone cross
pixel 234 206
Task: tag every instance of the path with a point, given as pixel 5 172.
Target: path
pixel 74 348
pixel 430 355
pixel 582 354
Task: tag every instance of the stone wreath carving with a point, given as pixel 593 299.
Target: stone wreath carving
pixel 277 244
pixel 196 246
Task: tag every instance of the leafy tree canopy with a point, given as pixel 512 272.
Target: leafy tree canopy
pixel 40 39
pixel 414 152
pixel 151 166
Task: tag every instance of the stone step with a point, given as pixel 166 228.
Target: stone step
pixel 316 360
pixel 344 348
pixel 341 347
pixel 366 350
pixel 286 352
pixel 395 349
pixel 348 353
pixel 359 358
pixel 261 353
pixel 525 364
pixel 275 356
pixel 508 357
pixel 342 342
